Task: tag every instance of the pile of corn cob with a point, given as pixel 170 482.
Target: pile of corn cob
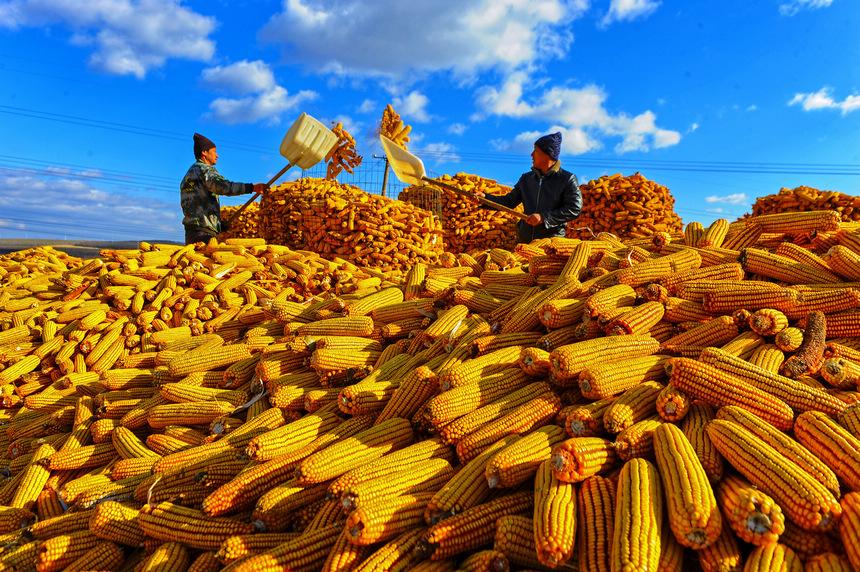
pixel 626 206
pixel 600 404
pixel 246 225
pixel 805 198
pixel 339 220
pixel 467 225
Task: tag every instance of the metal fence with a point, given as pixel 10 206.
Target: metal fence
pixel 370 176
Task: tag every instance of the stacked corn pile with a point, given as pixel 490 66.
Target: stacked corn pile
pixel 246 225
pixel 597 405
pixel 809 199
pixel 467 225
pixel 339 220
pixel 627 206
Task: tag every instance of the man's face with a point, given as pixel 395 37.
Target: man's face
pixel 209 156
pixel 540 160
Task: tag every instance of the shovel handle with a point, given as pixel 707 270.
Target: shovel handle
pixel 253 198
pixel 482 200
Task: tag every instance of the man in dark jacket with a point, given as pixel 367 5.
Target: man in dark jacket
pixel 549 194
pixel 199 192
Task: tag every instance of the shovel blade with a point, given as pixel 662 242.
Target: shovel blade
pixel 406 166
pixel 307 142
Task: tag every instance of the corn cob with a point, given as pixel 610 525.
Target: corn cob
pixel 789 339
pixel 290 437
pixel 60 551
pixel 167 557
pixel 803 499
pixel 244 490
pixel 785 445
pixel 275 508
pixel 723 555
pixel 752 514
pixel 164 520
pixel 694 427
pixel 850 419
pixel 638 514
pixel 467 488
pixel 718 388
pixel 773 557
pixel 384 520
pixel 472 529
pixel 197 413
pixel 487 401
pixel 554 517
pixel 692 509
pixel 307 553
pixel 849 527
pixel 784 269
pixel 242 545
pixel 207 359
pixel 425 475
pixel 607 379
pixel 103 556
pixel 578 458
pixel 831 443
pixel 34 478
pixel 587 420
pixel 518 461
pixel 657 268
pixel 809 357
pixel 827 562
pixel 351 452
pixel 796 394
pixel 485 561
pixel 570 360
pixel 116 522
pixel 635 404
pixel 637 440
pixel 390 464
pixel 841 373
pixel 533 413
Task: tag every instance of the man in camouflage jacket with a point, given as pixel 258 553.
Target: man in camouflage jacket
pixel 199 192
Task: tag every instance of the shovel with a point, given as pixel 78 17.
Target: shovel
pixel 409 169
pixel 306 143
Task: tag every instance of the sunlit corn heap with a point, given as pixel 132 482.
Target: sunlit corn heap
pixel 246 225
pixel 335 219
pixel 671 402
pixel 468 226
pixel 627 206
pixel 809 199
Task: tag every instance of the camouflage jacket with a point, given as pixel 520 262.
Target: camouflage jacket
pixel 199 192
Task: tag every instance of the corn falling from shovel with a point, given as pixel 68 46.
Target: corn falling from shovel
pixel 342 155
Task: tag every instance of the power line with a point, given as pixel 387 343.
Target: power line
pixel 118 127
pixel 760 167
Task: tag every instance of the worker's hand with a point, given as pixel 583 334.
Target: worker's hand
pixel 479 194
pixel 534 219
pixel 260 188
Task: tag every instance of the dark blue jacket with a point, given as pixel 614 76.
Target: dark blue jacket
pixel 555 196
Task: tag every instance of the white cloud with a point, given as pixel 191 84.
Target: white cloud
pixel 457 128
pixel 127 37
pixel 732 199
pixel 581 113
pixel 392 38
pixel 693 127
pixel 367 106
pixel 46 204
pixel 792 7
pixel 242 77
pixel 822 99
pixel 413 105
pixel 627 10
pixel 441 152
pixel 262 98
pixel 752 107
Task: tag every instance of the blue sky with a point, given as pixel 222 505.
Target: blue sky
pixel 720 101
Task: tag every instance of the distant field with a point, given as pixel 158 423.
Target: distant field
pixel 79 248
